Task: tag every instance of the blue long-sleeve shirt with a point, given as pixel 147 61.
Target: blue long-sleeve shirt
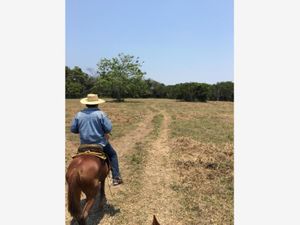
pixel 91 124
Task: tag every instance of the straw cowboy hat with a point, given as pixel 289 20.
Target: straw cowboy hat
pixel 92 99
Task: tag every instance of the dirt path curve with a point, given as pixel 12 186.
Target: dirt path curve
pixel 156 196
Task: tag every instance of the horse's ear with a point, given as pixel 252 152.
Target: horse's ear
pixel 155 222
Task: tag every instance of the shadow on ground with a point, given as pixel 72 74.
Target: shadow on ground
pixel 98 211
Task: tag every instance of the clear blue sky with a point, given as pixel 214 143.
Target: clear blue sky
pixel 179 40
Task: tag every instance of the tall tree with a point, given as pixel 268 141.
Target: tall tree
pixel 121 77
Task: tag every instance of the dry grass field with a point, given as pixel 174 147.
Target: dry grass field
pixel 176 159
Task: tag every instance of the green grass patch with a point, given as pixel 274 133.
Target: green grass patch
pixel 157 121
pixel 203 122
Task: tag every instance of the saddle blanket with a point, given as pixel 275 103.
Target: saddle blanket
pixel 91 149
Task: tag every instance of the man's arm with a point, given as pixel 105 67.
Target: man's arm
pixel 106 124
pixel 107 136
pixel 74 126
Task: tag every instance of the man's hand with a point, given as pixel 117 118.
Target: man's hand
pixel 107 136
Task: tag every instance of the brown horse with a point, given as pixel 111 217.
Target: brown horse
pixel 83 175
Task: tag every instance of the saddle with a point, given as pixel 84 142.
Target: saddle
pixel 92 149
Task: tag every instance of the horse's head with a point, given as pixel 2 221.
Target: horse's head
pixel 155 222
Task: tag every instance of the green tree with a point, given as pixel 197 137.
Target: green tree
pixel 78 83
pixel 120 77
pixel 155 89
pixel 201 91
pixel 188 91
pixel 222 91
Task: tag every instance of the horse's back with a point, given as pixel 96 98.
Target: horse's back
pixel 85 166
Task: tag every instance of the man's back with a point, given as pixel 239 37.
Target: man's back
pixel 91 124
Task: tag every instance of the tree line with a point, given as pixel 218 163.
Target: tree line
pixel 121 77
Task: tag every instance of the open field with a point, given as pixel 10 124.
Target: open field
pixel 176 159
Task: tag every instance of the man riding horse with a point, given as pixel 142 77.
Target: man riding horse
pixel 94 128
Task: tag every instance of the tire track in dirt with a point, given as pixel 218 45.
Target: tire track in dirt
pixel 127 141
pixel 124 146
pixel 157 196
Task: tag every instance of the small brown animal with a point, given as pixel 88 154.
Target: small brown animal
pixel 155 222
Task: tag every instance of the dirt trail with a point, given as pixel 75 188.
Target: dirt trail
pixel 124 147
pixel 157 197
pixel 127 142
